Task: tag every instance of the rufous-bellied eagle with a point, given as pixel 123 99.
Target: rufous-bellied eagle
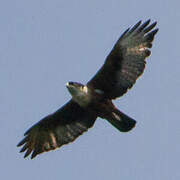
pixel 122 67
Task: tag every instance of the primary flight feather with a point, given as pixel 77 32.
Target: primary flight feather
pixel 122 67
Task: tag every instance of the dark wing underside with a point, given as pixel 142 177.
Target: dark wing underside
pixel 62 127
pixel 126 62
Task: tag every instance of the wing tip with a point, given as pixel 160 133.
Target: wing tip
pixel 156 30
pixel 33 155
pixel 22 142
pixel 150 27
pixel 19 144
pixel 28 152
pixel 139 22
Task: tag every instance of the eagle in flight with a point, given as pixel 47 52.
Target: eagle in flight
pixel 122 67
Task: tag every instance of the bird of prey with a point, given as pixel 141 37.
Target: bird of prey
pixel 122 67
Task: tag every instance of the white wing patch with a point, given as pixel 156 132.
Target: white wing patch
pixel 116 116
pixel 98 91
pixel 136 50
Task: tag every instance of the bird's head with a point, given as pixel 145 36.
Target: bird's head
pixel 76 88
pixel 79 92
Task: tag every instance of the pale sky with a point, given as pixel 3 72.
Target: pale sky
pixel 44 44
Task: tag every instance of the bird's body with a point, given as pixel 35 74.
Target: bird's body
pixel 95 102
pixel 122 67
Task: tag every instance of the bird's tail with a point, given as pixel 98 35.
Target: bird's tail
pixel 121 121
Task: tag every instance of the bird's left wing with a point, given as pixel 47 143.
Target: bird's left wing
pixel 62 127
pixel 126 62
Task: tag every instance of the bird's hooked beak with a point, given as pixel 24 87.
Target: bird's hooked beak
pixel 76 88
pixel 71 85
pixel 67 84
pixel 71 88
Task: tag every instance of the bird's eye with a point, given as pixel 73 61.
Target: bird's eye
pixel 71 83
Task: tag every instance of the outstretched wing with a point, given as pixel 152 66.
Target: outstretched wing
pixel 126 62
pixel 62 127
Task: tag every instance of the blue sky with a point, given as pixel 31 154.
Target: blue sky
pixel 44 44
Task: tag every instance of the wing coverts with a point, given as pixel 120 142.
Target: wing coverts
pixel 55 130
pixel 126 62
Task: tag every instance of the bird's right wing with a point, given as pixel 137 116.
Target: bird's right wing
pixel 57 129
pixel 126 62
